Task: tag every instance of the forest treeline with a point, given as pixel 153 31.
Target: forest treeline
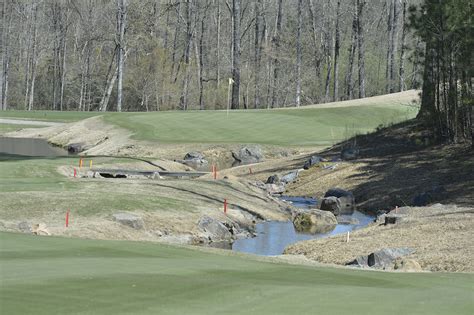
pixel 126 55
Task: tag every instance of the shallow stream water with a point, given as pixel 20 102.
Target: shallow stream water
pixel 274 236
pixel 29 147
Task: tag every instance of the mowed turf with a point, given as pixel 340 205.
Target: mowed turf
pixel 50 275
pixel 306 126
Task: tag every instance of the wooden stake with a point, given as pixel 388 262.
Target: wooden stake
pixel 225 205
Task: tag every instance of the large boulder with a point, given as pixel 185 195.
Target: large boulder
pixel 346 199
pixel 129 219
pixel 314 221
pixel 274 179
pixel 275 189
pixel 386 257
pixel 331 204
pixel 290 177
pixel 194 155
pixel 349 154
pixel 313 161
pixel 195 159
pixel 381 259
pixel 248 154
pixel 215 230
pixel 75 148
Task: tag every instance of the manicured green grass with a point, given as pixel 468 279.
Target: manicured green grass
pixel 49 275
pixel 277 127
pixel 311 126
pixel 33 188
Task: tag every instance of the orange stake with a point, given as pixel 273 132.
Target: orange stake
pixel 225 205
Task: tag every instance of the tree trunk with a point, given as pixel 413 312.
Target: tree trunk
pixel 7 23
pixel 200 53
pixel 276 50
pixel 218 26
pixel 394 45
pixel 121 20
pixel 183 100
pixel 63 66
pixel 110 82
pixel 401 72
pixel 337 46
pixel 388 83
pixel 315 34
pixel 298 54
pixel 361 46
pixel 34 60
pixel 258 49
pixel 352 51
pixel 235 104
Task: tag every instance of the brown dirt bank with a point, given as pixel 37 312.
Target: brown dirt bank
pixel 440 234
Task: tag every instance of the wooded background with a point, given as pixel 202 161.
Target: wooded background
pixel 125 55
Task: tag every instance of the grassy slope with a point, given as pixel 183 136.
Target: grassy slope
pixel 310 125
pixel 32 187
pixel 48 275
pixel 278 127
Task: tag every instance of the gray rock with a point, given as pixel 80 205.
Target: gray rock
pixel 129 219
pixel 346 199
pixel 393 218
pixel 314 221
pixel 249 154
pixel 313 161
pixel 75 148
pixel 331 204
pixel 194 155
pixel 24 227
pixel 275 189
pixel 290 177
pixel 349 153
pixel 274 179
pixel 361 261
pixel 385 258
pixel 215 229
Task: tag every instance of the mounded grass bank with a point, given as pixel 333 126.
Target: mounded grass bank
pixel 305 126
pixel 301 127
pixel 50 275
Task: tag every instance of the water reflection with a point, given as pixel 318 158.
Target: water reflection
pixel 29 147
pixel 273 236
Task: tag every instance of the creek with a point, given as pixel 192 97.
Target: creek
pixel 274 236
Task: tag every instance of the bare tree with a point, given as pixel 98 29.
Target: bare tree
pixel 401 71
pixel 235 54
pixel 298 53
pixel 337 46
pixel 275 51
pixel 361 46
pixel 121 21
pixel 352 51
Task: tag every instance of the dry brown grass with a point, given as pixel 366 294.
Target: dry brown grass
pixel 441 236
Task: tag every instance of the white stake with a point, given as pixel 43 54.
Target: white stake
pixel 347 238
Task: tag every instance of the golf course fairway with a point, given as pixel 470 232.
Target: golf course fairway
pixel 52 275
